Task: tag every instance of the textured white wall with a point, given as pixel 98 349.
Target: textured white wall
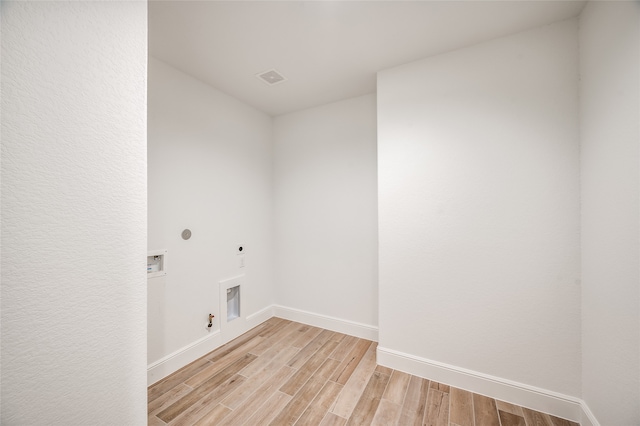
pixel 73 213
pixel 479 208
pixel 210 170
pixel 610 154
pixel 325 203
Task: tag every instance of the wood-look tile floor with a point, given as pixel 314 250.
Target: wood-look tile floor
pixel 285 373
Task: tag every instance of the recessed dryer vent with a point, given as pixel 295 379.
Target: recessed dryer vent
pixel 232 315
pixel 233 303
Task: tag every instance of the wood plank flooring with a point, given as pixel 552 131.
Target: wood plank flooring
pixel 287 373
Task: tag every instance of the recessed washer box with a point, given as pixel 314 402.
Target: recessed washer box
pixel 156 263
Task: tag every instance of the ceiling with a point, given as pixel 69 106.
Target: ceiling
pixel 327 50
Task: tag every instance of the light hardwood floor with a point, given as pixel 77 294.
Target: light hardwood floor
pixel 285 373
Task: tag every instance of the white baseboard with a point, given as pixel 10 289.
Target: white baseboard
pixel 557 404
pixel 189 353
pixel 588 419
pixel 260 316
pixel 351 328
pixel 183 356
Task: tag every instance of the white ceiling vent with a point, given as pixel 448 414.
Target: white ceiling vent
pixel 271 77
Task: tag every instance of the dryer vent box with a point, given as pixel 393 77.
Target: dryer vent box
pixel 233 303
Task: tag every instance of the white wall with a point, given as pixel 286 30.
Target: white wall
pixel 325 203
pixel 479 208
pixel 210 170
pixel 73 212
pixel 610 142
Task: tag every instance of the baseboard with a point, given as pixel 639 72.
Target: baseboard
pixel 588 419
pixel 183 356
pixel 557 404
pixel 176 360
pixel 351 328
pixel 260 316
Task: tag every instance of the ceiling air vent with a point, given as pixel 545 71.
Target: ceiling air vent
pixel 271 77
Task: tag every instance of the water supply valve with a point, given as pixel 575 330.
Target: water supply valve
pixel 211 317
